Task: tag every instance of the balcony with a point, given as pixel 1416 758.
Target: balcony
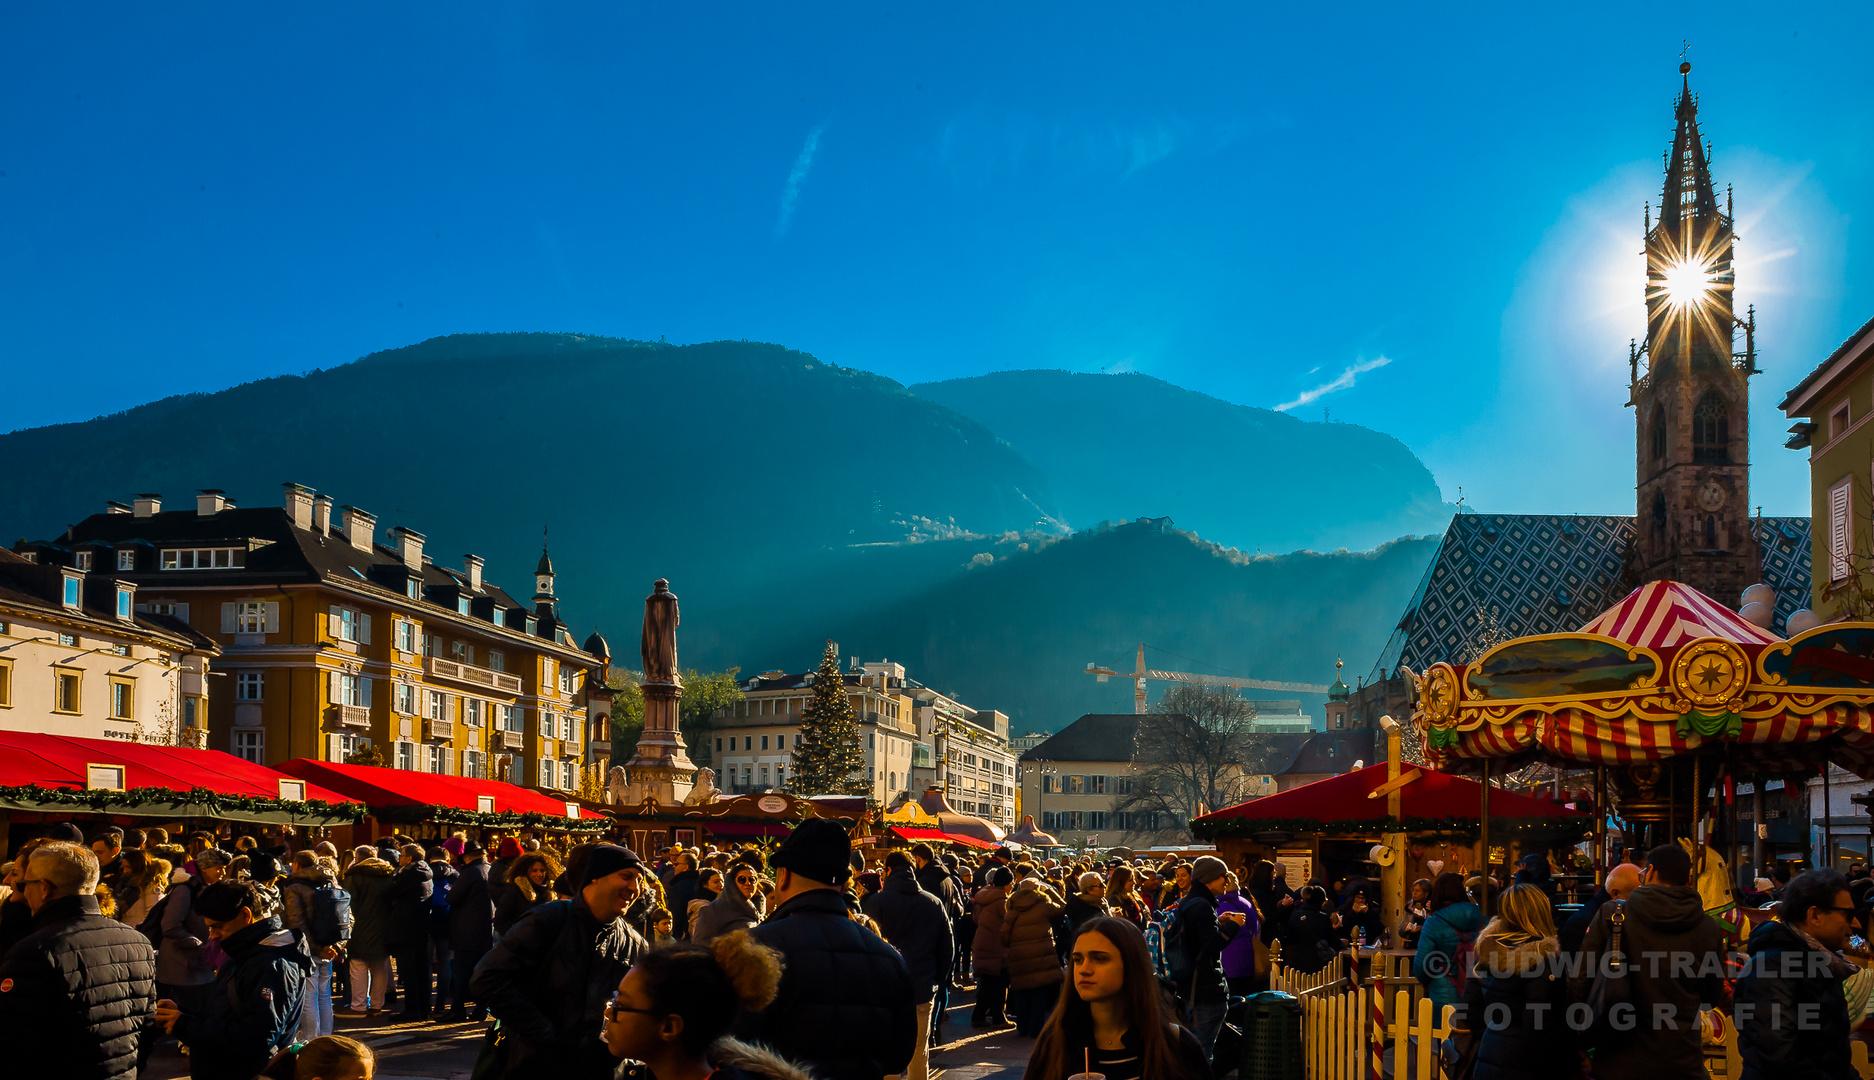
pixel 438 729
pixel 348 716
pixel 486 678
pixel 504 740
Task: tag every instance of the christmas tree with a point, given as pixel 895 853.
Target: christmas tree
pixel 827 759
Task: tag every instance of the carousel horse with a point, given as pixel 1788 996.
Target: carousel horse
pixel 1712 878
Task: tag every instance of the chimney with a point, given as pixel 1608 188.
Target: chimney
pixel 116 508
pixel 298 504
pixel 322 514
pixel 359 527
pixel 472 566
pixel 409 547
pixel 210 501
pixel 148 505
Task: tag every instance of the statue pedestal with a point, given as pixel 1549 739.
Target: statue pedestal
pixel 661 766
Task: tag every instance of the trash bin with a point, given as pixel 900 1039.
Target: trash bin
pixel 1271 1037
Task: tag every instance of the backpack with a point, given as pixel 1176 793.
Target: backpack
pixel 1177 957
pixel 152 925
pixel 330 920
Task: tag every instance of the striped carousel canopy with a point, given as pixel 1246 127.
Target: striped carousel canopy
pixel 1664 614
pixel 1665 671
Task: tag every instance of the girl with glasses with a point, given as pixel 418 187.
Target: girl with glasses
pixel 737 908
pixel 674 1007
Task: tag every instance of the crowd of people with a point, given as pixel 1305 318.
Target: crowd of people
pixel 589 961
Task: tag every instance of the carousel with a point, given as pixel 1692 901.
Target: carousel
pixel 1672 700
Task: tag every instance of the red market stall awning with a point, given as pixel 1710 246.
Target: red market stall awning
pixel 403 795
pixel 64 773
pixel 1430 800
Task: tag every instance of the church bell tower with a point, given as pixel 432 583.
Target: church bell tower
pixel 1691 387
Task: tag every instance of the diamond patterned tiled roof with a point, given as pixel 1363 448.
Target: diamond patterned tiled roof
pixel 1502 576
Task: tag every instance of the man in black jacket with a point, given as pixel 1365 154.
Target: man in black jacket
pixel 76 992
pixel 471 927
pixel 935 879
pixel 409 895
pixel 1204 935
pixel 847 1007
pixel 1676 952
pixel 1792 1017
pixel 915 924
pixel 252 1008
pixel 550 976
pixel 1620 883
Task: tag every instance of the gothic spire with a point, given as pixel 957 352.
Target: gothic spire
pixel 1688 195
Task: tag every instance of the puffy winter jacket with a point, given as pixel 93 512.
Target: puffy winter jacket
pixel 987 953
pixel 1239 956
pixel 1445 929
pixel 548 980
pixel 934 878
pixel 1796 1026
pixel 252 1010
pixel 409 895
pixel 724 915
pixel 918 926
pixel 1663 921
pixel 1516 1003
pixel 1028 937
pixel 368 881
pixel 185 957
pixel 75 993
pixel 847 1008
pixel 471 910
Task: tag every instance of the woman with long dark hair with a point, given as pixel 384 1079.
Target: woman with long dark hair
pixel 1111 1019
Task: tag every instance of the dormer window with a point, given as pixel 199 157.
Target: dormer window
pixel 73 590
pixel 84 561
pixel 124 603
pixel 411 588
pixel 462 605
pixel 127 559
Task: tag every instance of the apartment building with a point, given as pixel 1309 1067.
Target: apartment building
pixel 906 730
pixel 332 642
pixel 968 755
pixel 78 658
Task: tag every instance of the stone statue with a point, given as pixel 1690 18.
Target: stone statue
pixel 616 785
pixel 705 791
pixel 659 643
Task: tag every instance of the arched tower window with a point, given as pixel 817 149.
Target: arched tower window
pixel 1659 515
pixel 1659 433
pixel 1711 430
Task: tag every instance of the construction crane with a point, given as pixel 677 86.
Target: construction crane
pixel 1140 673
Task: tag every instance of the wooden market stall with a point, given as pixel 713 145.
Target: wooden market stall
pixel 1330 828
pixel 51 778
pixel 650 827
pixel 398 797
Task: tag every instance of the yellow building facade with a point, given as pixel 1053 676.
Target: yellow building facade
pixel 1834 407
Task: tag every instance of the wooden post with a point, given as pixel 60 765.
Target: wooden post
pixel 1601 860
pixel 1483 834
pixel 1392 879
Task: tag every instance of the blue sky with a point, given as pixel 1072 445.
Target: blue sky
pixel 1440 211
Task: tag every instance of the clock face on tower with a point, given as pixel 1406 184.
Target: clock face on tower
pixel 1712 495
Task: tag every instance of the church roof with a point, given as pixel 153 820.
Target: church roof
pixel 1502 576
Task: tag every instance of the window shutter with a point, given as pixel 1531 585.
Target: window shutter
pixel 337 623
pixel 337 688
pixel 227 618
pixel 337 751
pixel 273 616
pixel 364 629
pixel 1839 537
pixel 364 691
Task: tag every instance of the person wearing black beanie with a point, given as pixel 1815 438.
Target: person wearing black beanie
pixel 847 1007
pixel 266 974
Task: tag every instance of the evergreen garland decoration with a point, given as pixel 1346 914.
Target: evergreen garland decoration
pixel 828 760
pixel 502 819
pixel 196 802
pixel 1449 828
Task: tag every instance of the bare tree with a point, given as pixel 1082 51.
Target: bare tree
pixel 1194 754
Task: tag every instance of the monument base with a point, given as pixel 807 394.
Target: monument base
pixel 661 766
